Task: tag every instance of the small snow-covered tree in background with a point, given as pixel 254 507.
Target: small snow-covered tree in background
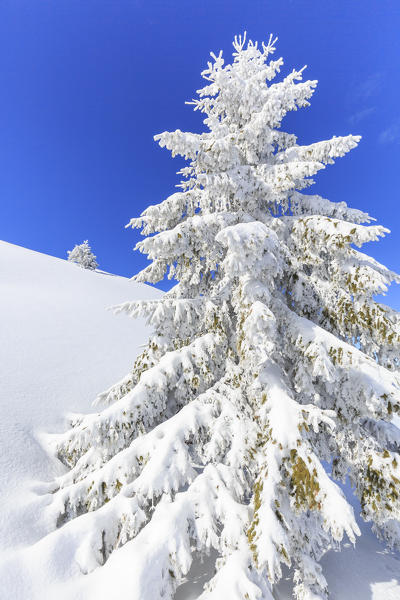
pixel 268 357
pixel 83 256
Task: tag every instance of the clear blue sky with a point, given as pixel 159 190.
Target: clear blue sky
pixel 84 86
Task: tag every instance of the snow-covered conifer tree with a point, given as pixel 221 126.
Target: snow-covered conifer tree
pixel 269 357
pixel 83 256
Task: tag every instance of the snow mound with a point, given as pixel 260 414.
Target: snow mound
pixel 60 348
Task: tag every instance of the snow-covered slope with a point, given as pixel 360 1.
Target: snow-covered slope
pixel 59 348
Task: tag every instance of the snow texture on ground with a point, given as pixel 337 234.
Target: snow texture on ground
pixel 59 348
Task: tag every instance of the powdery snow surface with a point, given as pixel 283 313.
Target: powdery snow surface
pixel 60 347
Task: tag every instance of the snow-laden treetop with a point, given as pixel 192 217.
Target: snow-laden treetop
pixel 83 256
pixel 268 357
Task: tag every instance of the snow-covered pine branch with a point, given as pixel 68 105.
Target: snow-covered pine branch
pixel 269 356
pixel 83 256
